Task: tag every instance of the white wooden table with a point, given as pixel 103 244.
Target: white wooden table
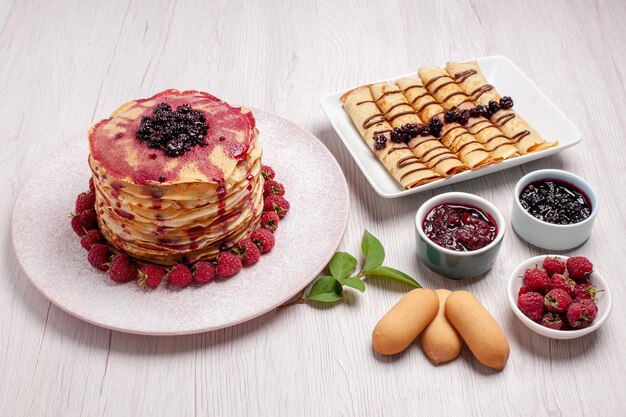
pixel 65 64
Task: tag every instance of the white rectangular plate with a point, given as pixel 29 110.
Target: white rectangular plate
pixel 530 102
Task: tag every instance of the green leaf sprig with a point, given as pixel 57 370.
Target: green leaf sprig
pixel 329 288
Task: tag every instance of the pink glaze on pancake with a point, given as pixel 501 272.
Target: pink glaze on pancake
pixel 117 150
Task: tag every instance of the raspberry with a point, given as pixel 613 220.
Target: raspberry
pixel 122 269
pixel 579 315
pixel 180 276
pixel 150 276
pixel 523 290
pixel 269 221
pixel 579 268
pixel 203 272
pixel 553 265
pixel 590 305
pixel 84 221
pixel 557 300
pixel 585 291
pixel 247 251
pixel 91 186
pixel 277 204
pixel 85 201
pixel 91 238
pixel 552 321
pixel 272 187
pixel 228 264
pixel 536 279
pixel 267 172
pixel 562 282
pixel 264 239
pixel 99 257
pixel 531 304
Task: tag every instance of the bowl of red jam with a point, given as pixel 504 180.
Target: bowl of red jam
pixel 554 209
pixel 458 234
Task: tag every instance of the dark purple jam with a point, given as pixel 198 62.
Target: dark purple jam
pixel 555 202
pixel 174 132
pixel 461 228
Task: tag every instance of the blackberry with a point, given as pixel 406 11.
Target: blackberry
pixel 380 142
pixel 479 111
pixel 435 126
pixel 463 116
pixel 449 116
pixel 174 132
pixel 396 136
pixel 506 102
pixel 493 106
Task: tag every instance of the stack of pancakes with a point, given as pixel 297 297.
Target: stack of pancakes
pixel 165 209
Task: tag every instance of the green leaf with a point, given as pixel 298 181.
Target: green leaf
pixel 326 289
pixel 326 298
pixel 373 251
pixel 387 272
pixel 342 264
pixel 355 283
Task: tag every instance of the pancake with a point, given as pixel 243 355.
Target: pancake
pixel 167 209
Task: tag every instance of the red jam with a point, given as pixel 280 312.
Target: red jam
pixel 459 227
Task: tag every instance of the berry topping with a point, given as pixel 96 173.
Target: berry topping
pixel 267 172
pixel 536 279
pixel 175 132
pixel 180 276
pixel 277 204
pixel 204 272
pixel 435 126
pixel 272 187
pixel 479 111
pixel 396 136
pixel 552 321
pixel 91 238
pixel 85 221
pixel 150 276
pixel 531 304
pixel 459 228
pixel 506 102
pixel 247 251
pixel 581 315
pixel 264 239
pixel 449 116
pixel 85 201
pixel 557 300
pixel 380 141
pixel 270 220
pixel 553 265
pixel 228 264
pixel 462 117
pixel 100 256
pixel 493 106
pixel 555 202
pixel 579 268
pixel 122 269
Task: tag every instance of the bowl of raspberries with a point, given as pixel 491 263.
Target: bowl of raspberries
pixel 558 296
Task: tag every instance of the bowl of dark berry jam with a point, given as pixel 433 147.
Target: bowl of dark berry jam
pixel 458 234
pixel 554 209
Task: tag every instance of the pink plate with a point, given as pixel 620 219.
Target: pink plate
pixel 52 257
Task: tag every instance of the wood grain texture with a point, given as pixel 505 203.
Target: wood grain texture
pixel 65 64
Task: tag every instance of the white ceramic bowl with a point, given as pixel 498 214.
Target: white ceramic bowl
pixel 453 264
pixel 603 300
pixel 547 235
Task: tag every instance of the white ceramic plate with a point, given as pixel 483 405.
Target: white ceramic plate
pixel 52 257
pixel 530 102
pixel 604 301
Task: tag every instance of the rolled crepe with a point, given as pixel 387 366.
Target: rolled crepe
pixel 398 112
pixel 399 160
pixel 454 136
pixel 450 96
pixel 472 81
